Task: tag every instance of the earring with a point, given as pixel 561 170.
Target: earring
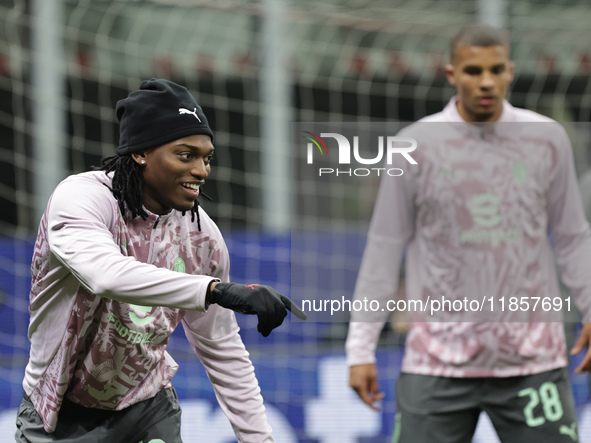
pixel 143 162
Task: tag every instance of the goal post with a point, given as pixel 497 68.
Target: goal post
pixel 48 103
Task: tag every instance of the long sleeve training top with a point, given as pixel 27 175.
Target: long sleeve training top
pixel 107 292
pixel 473 217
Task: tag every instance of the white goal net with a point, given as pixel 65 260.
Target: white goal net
pixel 355 61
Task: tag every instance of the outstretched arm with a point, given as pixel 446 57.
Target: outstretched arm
pixel 80 218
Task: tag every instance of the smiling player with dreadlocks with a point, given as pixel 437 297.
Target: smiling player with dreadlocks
pixel 127 184
pixel 118 264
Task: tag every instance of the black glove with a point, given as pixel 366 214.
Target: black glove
pixel 269 305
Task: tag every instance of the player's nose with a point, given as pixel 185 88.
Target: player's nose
pixel 199 168
pixel 487 81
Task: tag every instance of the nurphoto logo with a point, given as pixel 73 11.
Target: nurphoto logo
pixel 393 146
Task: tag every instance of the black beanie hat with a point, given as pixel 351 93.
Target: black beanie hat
pixel 159 112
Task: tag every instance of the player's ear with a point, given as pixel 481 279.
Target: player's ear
pixel 512 70
pixel 449 73
pixel 139 157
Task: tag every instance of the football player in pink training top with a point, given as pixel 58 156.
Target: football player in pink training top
pixel 473 219
pixel 125 254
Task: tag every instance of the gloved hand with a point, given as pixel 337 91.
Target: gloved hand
pixel 269 305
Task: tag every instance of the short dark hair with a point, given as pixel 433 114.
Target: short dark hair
pixel 479 35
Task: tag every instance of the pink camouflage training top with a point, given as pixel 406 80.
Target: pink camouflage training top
pixel 473 217
pixel 106 294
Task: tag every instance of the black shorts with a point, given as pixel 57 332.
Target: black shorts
pixel 536 408
pixel 156 420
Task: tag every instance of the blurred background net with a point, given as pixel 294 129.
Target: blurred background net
pixel 254 67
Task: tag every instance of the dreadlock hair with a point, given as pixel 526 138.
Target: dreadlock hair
pixel 127 186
